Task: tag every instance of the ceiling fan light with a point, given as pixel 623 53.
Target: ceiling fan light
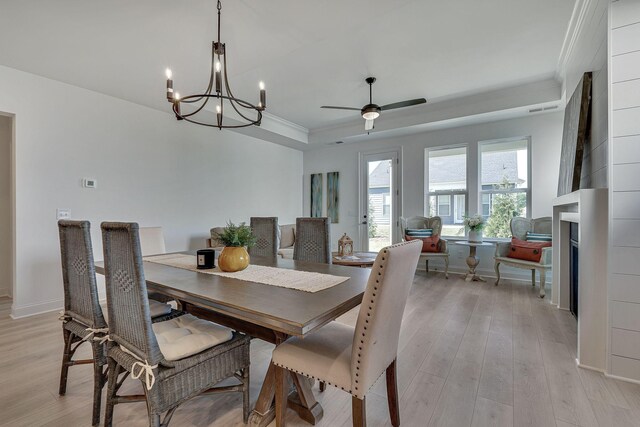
pixel 370 115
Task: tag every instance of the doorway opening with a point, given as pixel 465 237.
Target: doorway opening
pixel 379 199
pixel 7 203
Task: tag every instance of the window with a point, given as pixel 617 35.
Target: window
pixel 444 206
pixel 504 184
pixel 447 187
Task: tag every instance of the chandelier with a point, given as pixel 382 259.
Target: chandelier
pixel 218 89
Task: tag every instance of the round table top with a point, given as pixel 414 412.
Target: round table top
pixel 357 259
pixel 468 243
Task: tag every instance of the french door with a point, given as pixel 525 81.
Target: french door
pixel 379 199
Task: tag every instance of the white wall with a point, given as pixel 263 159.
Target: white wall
pixel 5 205
pixel 624 213
pixel 545 131
pixel 150 169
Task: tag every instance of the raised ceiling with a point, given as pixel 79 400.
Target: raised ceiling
pixel 309 53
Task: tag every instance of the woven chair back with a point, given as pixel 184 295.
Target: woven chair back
pixel 79 274
pixel 127 301
pixel 312 240
pixel 520 226
pixel 420 222
pixel 267 237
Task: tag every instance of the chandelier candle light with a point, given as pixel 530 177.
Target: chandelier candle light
pixel 219 89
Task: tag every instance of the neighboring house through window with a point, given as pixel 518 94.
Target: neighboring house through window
pixel 447 187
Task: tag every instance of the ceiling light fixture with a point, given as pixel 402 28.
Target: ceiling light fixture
pixel 218 88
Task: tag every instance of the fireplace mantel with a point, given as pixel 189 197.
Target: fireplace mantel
pixel 589 208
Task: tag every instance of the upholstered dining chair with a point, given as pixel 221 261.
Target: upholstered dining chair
pixel 82 318
pixel 520 228
pixel 353 358
pixel 176 359
pixel 435 224
pixel 267 237
pixel 312 240
pixel 152 243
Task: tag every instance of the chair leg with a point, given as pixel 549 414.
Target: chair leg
pixel 392 394
pixel 245 394
pixel 154 420
pixel 98 383
pixel 446 267
pixel 282 394
pixel 533 277
pixel 113 370
pixel 542 283
pixel 66 357
pixel 497 268
pixel 359 411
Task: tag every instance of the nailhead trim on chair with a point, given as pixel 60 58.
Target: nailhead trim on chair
pixel 369 310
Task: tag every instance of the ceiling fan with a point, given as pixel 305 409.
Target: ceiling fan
pixel 371 111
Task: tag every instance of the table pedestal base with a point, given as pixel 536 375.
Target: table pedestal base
pixel 472 262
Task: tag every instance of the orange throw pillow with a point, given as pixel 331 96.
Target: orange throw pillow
pixel 527 251
pixel 429 244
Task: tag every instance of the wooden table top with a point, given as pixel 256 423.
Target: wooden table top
pixel 289 311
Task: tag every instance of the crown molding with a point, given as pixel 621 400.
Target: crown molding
pixel 576 25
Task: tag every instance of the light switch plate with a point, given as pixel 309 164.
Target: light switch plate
pixel 63 214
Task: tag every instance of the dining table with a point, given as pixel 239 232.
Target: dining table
pixel 265 312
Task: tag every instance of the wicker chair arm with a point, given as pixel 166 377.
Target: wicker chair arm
pixel 547 254
pixel 502 249
pixel 442 246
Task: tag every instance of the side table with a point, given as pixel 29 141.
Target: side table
pixel 472 259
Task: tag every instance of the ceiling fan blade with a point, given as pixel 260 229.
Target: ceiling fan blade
pixel 340 108
pixel 403 104
pixel 368 124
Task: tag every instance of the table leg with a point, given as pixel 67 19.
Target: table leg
pixel 301 399
pixel 472 262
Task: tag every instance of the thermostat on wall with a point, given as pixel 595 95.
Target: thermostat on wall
pixel 89 183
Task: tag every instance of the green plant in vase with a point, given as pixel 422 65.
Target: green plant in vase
pixel 236 239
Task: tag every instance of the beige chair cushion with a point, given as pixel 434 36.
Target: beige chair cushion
pixel 157 308
pixel 187 335
pixel 287 235
pixel 324 354
pixel 286 253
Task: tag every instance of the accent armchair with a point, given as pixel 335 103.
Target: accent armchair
pixel 519 229
pixel 434 223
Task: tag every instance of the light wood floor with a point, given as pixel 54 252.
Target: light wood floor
pixel 470 354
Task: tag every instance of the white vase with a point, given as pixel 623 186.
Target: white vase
pixel 475 236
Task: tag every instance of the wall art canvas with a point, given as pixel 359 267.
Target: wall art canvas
pixel 316 195
pixel 333 196
pixel 577 118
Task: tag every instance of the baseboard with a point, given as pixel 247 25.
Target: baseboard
pixel 590 368
pixel 484 272
pixel 27 310
pixel 625 379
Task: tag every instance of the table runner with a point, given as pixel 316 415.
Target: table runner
pixel 283 277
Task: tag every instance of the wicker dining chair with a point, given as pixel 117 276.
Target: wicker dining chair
pixel 312 240
pixel 82 318
pixel 267 237
pixel 349 358
pixel 134 349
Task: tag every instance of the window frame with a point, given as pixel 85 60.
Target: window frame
pixel 526 191
pixel 451 193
